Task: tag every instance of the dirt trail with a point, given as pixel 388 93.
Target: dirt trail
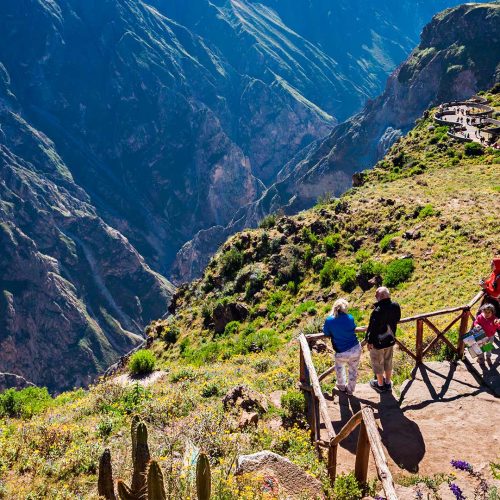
pixel 443 413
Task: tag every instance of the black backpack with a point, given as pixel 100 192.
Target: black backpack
pixel 386 339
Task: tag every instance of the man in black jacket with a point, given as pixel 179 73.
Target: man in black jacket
pixel 381 337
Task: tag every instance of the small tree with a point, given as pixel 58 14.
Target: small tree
pixel 231 263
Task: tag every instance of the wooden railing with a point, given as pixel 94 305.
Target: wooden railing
pixel 369 437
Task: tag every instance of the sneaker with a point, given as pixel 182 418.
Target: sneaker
pixel 374 385
pixel 387 386
pixel 340 388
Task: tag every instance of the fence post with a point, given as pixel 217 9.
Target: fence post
pixel 305 383
pixel 419 347
pixel 332 462
pixel 464 324
pixel 362 455
pixel 303 370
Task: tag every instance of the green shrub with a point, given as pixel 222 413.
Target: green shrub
pixel 293 404
pixel 231 263
pixel 24 403
pixel 347 487
pixel 370 268
pixel 318 262
pixel 133 399
pixel 308 255
pixel 262 340
pixel 427 211
pixel 170 334
pixel 473 149
pixel 309 237
pixel 255 284
pixel 207 311
pixel 142 362
pixel 292 287
pixel 358 316
pixel 398 271
pixel 291 272
pixel 347 278
pixel 309 307
pixel 262 365
pixel 329 273
pixel 331 244
pixel 232 328
pixel 362 255
pixel 210 390
pixel 268 221
pixel 182 374
pixel 104 427
pixel 387 241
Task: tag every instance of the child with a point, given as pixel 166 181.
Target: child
pixel 488 322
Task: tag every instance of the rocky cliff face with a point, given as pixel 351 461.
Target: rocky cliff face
pixel 74 293
pixel 458 55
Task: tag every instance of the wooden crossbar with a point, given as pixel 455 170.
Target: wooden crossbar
pixel 353 422
pixel 440 335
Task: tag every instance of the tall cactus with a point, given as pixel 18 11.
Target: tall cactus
pixel 105 486
pixel 203 478
pixel 133 431
pixel 156 487
pixel 141 458
pixel 126 493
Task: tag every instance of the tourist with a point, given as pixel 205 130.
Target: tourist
pixel 489 323
pixel 381 337
pixel 491 286
pixel 341 328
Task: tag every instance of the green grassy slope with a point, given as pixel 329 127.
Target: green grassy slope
pixel 284 276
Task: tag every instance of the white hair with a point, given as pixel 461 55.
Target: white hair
pixel 382 293
pixel 340 305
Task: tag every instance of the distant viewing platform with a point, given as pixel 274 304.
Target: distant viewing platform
pixel 470 121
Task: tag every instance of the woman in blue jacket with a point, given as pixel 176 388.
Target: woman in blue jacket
pixel 341 328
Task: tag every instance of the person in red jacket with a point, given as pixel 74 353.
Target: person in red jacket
pixel 491 286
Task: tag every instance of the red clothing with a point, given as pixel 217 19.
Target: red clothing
pixel 488 325
pixel 492 284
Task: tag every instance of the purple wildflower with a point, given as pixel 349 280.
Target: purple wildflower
pixel 455 489
pixel 462 465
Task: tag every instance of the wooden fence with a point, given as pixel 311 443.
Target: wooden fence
pixel 369 437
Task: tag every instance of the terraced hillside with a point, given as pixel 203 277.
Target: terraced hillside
pixel 424 221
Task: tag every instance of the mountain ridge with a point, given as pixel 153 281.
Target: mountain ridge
pixel 327 165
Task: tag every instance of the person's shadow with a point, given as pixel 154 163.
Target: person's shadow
pixel 348 406
pixel 400 435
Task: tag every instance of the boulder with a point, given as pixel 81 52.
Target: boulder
pixel 248 419
pixel 359 178
pixel 245 398
pixel 225 313
pixel 412 234
pixel 288 479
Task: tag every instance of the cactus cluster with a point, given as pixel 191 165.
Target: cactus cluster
pixel 147 478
